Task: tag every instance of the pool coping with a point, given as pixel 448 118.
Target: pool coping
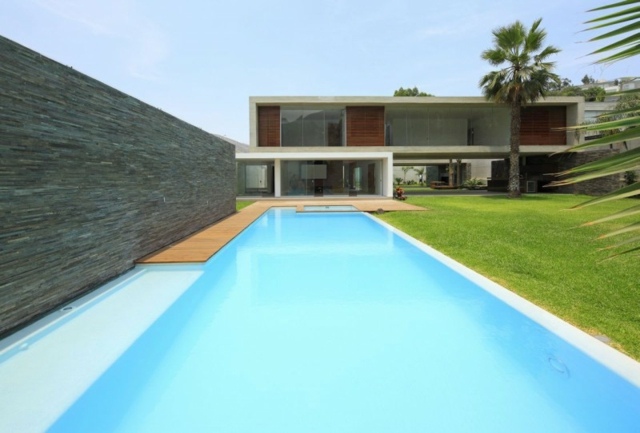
pixel 616 361
pixel 202 245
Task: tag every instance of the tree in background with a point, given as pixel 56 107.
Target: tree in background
pixel 525 76
pixel 410 92
pixel 420 173
pixel 406 170
pixel 587 79
pixel 627 106
pixel 594 94
pixel 562 84
pixel 566 88
pixel 619 126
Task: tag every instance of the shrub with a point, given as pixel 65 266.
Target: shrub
pixel 630 177
pixel 473 183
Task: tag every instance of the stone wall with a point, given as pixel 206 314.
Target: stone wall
pixel 91 179
pixel 600 186
pixel 541 168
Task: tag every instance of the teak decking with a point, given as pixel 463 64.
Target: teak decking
pixel 200 246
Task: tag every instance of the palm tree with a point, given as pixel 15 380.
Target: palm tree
pixel 620 126
pixel 420 173
pixel 524 76
pixel 406 170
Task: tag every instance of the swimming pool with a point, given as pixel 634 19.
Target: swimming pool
pixel 313 322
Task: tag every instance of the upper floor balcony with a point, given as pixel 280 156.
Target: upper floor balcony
pixel 410 127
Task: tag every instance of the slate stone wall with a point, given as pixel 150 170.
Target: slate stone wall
pixel 91 179
pixel 541 169
pixel 600 186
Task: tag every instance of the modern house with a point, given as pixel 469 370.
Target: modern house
pixel 341 146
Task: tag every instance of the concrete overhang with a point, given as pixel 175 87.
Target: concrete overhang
pixel 404 153
pixel 470 152
pixel 398 100
pixel 312 153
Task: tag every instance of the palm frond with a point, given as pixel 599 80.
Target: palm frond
pixel 623 253
pixel 626 122
pixel 609 171
pixel 618 126
pixel 621 243
pixel 630 228
pixel 621 43
pixel 613 114
pixel 613 5
pixel 635 210
pixel 601 165
pixel 611 23
pixel 612 18
pixel 628 46
pixel 621 55
pixel 627 191
pixel 617 137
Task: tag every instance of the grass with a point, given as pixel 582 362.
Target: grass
pixel 241 204
pixel 534 247
pixel 416 189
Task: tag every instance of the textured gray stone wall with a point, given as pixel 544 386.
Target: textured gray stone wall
pixel 600 186
pixel 539 168
pixel 91 179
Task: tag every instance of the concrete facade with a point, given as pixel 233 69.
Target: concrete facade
pixel 91 179
pixel 496 145
pixel 428 131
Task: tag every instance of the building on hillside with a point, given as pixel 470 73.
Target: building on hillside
pixel 346 146
pixel 621 84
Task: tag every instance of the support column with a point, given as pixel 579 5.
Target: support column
pixel 277 174
pixel 387 177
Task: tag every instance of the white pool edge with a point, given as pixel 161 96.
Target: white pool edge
pixel 32 372
pixel 623 365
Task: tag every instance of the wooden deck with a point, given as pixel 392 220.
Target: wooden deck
pixel 200 246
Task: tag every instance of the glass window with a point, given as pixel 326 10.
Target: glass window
pixel 322 177
pixel 334 129
pixel 312 127
pixel 255 178
pixel 291 127
pixel 417 127
pixel 450 126
pixel 313 131
pixel 396 127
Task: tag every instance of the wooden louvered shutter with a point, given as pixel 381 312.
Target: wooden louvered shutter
pixel 269 126
pixel 365 126
pixel 538 123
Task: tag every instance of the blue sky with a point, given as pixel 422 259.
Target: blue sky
pixel 201 60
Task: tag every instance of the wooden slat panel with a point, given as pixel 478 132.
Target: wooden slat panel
pixel 538 123
pixel 365 126
pixel 269 126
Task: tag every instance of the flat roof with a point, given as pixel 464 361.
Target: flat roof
pixel 399 100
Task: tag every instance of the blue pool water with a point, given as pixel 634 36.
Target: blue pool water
pixel 333 323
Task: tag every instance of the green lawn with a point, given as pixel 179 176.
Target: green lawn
pixel 533 246
pixel 241 204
